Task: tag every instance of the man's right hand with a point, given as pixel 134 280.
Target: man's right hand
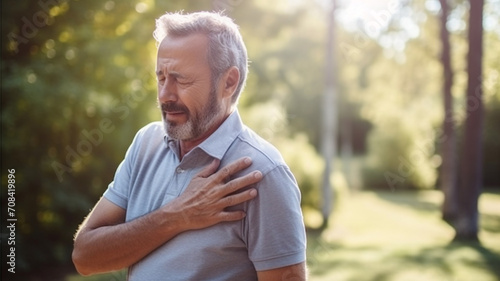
pixel 207 196
pixel 105 242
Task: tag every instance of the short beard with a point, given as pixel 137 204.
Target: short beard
pixel 197 124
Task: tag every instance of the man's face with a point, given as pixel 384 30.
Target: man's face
pixel 189 104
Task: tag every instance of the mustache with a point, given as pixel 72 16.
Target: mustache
pixel 172 106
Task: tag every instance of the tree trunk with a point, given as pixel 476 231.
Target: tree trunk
pixel 346 151
pixel 466 225
pixel 330 114
pixel 448 140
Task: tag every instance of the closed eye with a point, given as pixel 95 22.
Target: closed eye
pixel 184 82
pixel 160 77
pixel 174 77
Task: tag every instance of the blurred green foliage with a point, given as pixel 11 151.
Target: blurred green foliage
pixel 78 82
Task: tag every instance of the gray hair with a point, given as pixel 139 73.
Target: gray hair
pixel 225 44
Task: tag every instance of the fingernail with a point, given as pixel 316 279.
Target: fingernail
pixel 247 160
pixel 257 175
pixel 253 192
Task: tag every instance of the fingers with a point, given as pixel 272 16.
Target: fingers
pixel 238 198
pixel 241 182
pixel 210 194
pixel 232 168
pixel 231 216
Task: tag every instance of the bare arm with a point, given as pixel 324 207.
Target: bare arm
pixel 105 242
pixel 295 272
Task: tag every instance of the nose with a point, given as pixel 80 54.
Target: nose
pixel 167 92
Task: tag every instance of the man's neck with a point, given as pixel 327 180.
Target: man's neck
pixel 186 146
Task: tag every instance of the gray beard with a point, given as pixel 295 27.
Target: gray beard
pixel 196 124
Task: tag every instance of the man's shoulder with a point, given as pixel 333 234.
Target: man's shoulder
pixel 150 135
pixel 153 128
pixel 261 150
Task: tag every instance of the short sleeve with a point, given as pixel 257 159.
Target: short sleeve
pixel 119 189
pixel 274 223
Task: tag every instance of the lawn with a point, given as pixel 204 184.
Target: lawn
pixel 394 236
pixel 400 236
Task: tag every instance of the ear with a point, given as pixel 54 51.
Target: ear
pixel 230 81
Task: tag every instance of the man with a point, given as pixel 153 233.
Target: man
pixel 169 214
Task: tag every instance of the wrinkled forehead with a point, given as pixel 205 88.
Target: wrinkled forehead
pixel 196 42
pixel 194 46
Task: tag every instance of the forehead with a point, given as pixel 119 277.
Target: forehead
pixel 183 51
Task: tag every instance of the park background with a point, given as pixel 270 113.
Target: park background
pixel 78 82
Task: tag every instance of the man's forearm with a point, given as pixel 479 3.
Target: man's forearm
pixel 109 248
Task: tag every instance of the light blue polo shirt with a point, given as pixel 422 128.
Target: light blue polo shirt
pixel 271 235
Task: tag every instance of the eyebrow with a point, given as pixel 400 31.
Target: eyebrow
pixel 171 73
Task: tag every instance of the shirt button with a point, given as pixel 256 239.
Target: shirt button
pixel 179 170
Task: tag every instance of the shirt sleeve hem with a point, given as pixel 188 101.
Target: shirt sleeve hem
pixel 281 261
pixel 115 198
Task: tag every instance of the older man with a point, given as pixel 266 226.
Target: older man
pixel 170 213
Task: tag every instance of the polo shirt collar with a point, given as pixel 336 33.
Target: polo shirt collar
pixel 219 141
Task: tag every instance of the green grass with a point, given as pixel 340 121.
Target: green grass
pixel 400 236
pixel 394 236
